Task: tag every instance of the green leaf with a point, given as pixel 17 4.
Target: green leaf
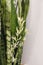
pixel 25 7
pixel 13 22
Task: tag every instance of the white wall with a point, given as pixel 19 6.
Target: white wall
pixel 33 47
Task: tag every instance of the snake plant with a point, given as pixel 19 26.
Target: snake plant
pixel 13 15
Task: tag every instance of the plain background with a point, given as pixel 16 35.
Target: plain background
pixel 33 46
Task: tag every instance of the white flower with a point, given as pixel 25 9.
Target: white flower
pixel 8 33
pixel 17 34
pixel 20 19
pixel 14 59
pixel 8 45
pixel 17 42
pixel 14 38
pixel 12 48
pixel 24 38
pixel 11 54
pixel 15 45
pixel 26 30
pixel 21 44
pixel 15 3
pixel 21 30
pixel 19 38
pixel 8 51
pixel 8 3
pixel 17 30
pixel 8 38
pixel 23 23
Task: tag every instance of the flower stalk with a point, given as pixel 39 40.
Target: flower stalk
pixel 13 30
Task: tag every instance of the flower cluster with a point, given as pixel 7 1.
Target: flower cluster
pixel 8 4
pixel 15 41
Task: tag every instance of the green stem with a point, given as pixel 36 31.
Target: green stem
pixel 8 32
